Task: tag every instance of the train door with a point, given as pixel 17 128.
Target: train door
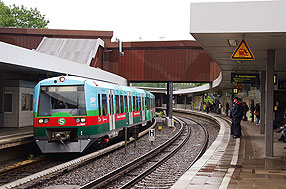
pixel 130 108
pixel 143 109
pixel 111 110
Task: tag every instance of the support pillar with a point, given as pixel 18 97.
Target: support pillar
pixel 269 93
pixel 193 101
pixel 185 101
pixel 2 92
pixel 176 101
pixel 170 99
pixel 262 106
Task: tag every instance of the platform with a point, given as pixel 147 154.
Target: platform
pixel 238 163
pixel 10 137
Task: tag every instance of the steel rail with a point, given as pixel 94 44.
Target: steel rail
pixel 160 162
pixel 70 164
pixel 131 165
pixel 164 159
pixel 204 146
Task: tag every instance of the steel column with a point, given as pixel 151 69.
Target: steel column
pixel 262 107
pixel 185 101
pixel 269 93
pixel 2 92
pixel 170 99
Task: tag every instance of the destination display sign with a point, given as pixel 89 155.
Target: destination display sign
pixel 281 84
pixel 245 78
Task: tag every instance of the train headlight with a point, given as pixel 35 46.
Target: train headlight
pixel 40 121
pixel 46 120
pixel 62 79
pixel 82 120
pixel 77 120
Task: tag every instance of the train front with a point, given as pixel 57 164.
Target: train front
pixel 60 122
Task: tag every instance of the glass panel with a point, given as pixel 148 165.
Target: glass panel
pixel 8 103
pixel 121 104
pixel 134 103
pixel 117 104
pixel 126 105
pixel 99 105
pixel 104 105
pixel 68 99
pixel 26 102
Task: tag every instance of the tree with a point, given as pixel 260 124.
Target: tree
pixel 21 17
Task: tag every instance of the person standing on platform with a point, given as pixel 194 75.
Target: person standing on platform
pixel 252 110
pixel 277 115
pixel 245 110
pixel 257 113
pixel 208 105
pixel 237 116
pixel 226 108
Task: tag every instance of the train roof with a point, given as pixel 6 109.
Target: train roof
pixel 74 80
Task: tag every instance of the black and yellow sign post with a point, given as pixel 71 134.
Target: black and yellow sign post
pixel 242 52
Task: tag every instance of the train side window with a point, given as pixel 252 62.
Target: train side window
pixel 140 105
pixel 146 107
pixel 117 104
pixel 104 105
pixel 130 104
pixel 134 103
pixel 99 105
pixel 148 103
pixel 125 103
pixel 121 104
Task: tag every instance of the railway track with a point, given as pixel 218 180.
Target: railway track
pixel 142 171
pixel 146 171
pixel 22 172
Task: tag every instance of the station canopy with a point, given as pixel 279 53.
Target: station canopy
pixel 219 27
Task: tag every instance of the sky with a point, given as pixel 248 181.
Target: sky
pixel 130 20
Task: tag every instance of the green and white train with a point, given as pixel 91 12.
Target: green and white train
pixel 72 114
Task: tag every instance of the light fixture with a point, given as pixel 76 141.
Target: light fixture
pixel 232 42
pixel 62 79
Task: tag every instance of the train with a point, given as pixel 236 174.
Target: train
pixel 72 114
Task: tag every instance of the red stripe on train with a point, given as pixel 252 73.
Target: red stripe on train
pixel 119 117
pixel 136 114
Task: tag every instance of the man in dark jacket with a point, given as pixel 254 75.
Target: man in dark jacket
pixel 236 117
pixel 252 110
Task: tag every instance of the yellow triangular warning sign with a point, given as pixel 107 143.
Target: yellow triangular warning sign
pixel 242 52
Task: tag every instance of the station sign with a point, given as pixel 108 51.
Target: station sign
pixel 152 135
pixel 275 79
pixel 242 52
pixel 245 78
pixel 234 91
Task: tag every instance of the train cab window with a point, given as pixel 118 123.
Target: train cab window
pixel 117 104
pixel 134 103
pixel 121 104
pixel 104 105
pixel 54 99
pixel 125 103
pixel 99 105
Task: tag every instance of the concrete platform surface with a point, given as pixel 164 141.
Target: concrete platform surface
pixel 238 163
pixel 10 137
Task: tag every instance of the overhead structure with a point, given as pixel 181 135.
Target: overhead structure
pixel 220 26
